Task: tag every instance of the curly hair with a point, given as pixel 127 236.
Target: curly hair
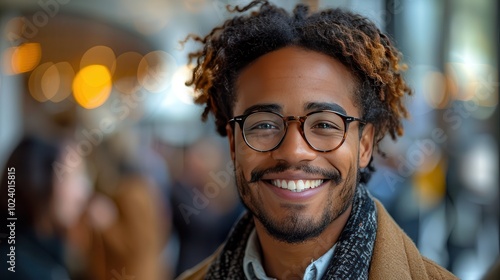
pixel 350 38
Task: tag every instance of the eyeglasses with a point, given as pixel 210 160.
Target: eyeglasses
pixel 324 130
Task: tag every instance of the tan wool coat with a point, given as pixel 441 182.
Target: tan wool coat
pixel 395 256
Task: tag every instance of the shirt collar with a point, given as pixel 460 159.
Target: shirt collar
pixel 253 268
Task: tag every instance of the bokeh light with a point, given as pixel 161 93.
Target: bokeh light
pixel 21 59
pixel 35 82
pixel 155 71
pixel 179 88
pixel 125 76
pixel 92 86
pixel 50 82
pixel 56 81
pixel 476 84
pixel 101 55
pixel 13 29
pixel 435 92
pixel 479 168
pixel 430 184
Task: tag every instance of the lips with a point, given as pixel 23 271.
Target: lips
pixel 297 185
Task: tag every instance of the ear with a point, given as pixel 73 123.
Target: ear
pixel 366 145
pixel 230 137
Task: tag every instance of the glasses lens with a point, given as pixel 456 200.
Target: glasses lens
pixel 263 130
pixel 324 130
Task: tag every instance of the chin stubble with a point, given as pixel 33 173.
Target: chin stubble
pixel 296 228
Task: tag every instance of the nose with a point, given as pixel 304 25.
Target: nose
pixel 294 148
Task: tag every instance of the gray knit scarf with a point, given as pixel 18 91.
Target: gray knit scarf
pixel 351 259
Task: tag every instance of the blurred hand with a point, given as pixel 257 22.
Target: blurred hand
pixel 102 212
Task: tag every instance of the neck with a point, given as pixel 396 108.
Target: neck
pixel 289 260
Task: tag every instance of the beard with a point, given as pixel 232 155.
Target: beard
pixel 296 227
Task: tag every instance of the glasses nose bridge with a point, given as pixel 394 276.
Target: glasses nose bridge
pixel 300 122
pixel 298 119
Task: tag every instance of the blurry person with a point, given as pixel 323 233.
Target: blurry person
pixel 304 99
pixel 123 233
pixel 51 191
pixel 203 200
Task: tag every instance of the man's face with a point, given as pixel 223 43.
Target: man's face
pixel 294 82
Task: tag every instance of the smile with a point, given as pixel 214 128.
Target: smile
pixel 297 185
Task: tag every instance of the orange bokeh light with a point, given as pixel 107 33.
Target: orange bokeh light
pixel 92 86
pixel 101 55
pixel 56 81
pixel 21 59
pixel 35 82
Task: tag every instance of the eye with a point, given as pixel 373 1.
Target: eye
pixel 325 128
pixel 264 126
pixel 325 125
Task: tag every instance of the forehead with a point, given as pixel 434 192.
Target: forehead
pixel 291 78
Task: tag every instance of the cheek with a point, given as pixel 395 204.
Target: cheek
pixel 246 159
pixel 344 158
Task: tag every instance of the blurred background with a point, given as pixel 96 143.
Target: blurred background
pixel 140 187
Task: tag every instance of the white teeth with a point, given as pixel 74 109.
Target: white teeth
pixel 308 184
pixel 297 185
pixel 300 185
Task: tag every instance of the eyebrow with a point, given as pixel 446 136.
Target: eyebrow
pixel 324 106
pixel 263 107
pixel 311 106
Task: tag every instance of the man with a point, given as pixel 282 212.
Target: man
pixel 304 100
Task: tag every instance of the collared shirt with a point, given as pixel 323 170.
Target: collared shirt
pixel 254 270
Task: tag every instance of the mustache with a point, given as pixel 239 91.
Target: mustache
pixel 334 175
